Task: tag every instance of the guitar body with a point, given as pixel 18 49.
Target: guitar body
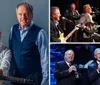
pixel 61 36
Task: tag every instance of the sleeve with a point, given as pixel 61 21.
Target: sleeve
pixel 43 49
pixel 5 63
pixel 82 20
pixel 92 74
pixel 60 73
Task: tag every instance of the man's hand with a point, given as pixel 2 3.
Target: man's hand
pixel 72 68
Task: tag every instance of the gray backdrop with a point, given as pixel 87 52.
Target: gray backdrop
pixel 8 16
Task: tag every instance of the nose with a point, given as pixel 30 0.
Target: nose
pixel 23 16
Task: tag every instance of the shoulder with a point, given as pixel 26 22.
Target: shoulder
pixel 15 25
pixel 92 65
pixel 60 62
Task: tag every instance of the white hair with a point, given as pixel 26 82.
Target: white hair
pixel 97 49
pixel 69 51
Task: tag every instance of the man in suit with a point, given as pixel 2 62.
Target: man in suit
pixel 85 18
pixel 55 29
pixel 28 43
pixel 94 69
pixel 66 72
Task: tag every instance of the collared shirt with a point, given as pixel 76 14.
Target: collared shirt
pixel 90 18
pixel 42 44
pixel 69 64
pixel 57 23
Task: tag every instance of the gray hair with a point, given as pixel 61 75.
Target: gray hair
pixel 53 9
pixel 97 49
pixel 85 6
pixel 26 5
pixel 70 50
pixel 72 4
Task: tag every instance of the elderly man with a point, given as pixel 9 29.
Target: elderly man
pixel 86 18
pixel 94 69
pixel 5 57
pixel 73 15
pixel 28 44
pixel 55 29
pixel 66 72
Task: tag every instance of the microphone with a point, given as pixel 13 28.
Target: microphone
pixel 94 8
pixel 67 19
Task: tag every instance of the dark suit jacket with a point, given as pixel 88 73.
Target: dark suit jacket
pixel 54 34
pixel 62 75
pixel 93 75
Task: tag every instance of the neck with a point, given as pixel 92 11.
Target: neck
pixel 23 27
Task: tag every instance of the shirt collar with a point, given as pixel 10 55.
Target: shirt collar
pixel 98 62
pixel 28 27
pixel 68 63
pixel 56 22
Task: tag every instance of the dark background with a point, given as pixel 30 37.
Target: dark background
pixel 64 5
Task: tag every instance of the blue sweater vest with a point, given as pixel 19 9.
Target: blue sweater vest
pixel 26 57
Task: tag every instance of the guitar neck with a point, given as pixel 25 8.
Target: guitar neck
pixel 70 34
pixel 18 80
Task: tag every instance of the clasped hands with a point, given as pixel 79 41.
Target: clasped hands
pixel 72 68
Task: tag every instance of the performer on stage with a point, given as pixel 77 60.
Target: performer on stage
pixel 85 19
pixel 94 69
pixel 66 72
pixel 73 15
pixel 55 29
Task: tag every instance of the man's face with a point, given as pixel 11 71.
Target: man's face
pixel 72 7
pixel 24 16
pixel 97 56
pixel 69 57
pixel 56 15
pixel 88 9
